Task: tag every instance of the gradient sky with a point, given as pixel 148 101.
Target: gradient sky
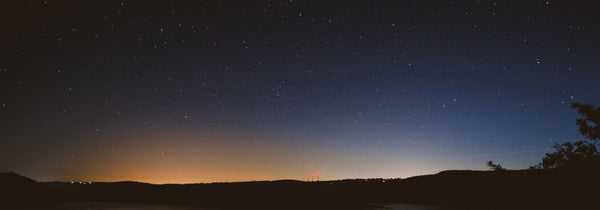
pixel 206 91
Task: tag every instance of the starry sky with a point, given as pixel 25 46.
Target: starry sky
pixel 212 91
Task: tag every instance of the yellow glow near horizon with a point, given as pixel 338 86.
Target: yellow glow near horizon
pixel 164 156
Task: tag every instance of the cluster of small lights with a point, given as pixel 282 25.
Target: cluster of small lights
pixel 72 182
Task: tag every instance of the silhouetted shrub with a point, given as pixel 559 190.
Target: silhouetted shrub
pixel 495 167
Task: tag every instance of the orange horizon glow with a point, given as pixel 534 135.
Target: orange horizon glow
pixel 167 157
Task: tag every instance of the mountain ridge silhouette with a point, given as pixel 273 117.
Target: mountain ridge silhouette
pixel 463 189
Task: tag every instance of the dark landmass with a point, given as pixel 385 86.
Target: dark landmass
pixel 569 188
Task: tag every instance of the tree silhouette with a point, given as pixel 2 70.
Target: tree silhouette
pixel 570 154
pixel 495 167
pixel 580 153
pixel 589 126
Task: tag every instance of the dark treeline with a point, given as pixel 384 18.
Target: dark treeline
pixel 503 189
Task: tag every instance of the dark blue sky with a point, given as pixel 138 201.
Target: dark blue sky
pixel 202 91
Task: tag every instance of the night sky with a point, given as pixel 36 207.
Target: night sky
pixel 208 91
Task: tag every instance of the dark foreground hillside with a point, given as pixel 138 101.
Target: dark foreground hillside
pixel 520 189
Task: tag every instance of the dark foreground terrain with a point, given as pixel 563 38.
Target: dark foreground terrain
pixel 510 189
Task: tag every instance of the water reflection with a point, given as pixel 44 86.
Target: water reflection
pixel 401 206
pixel 121 206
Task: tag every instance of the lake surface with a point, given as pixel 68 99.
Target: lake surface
pixel 401 206
pixel 138 206
pixel 120 206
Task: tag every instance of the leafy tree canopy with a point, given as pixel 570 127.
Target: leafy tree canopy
pixel 581 153
pixel 589 125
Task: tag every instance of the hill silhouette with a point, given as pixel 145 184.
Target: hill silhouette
pixel 505 189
